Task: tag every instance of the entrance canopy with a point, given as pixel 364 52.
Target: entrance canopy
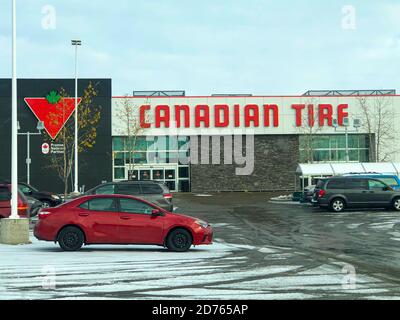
pixel 334 169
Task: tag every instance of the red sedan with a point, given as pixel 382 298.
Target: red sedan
pixel 119 219
pixel 5 202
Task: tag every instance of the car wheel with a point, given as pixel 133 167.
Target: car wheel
pixel 71 239
pixel 396 204
pixel 179 240
pixel 337 205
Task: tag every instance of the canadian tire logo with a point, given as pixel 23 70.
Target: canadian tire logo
pixel 53 111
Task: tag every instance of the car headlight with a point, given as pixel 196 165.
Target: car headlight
pixel 202 223
pixel 55 197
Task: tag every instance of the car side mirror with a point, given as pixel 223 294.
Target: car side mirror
pixel 156 213
pixel 387 189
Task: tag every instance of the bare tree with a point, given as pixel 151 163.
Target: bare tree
pixel 131 128
pixel 378 122
pixel 309 129
pixel 88 119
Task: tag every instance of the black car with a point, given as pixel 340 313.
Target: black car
pixel 152 191
pixel 48 199
pixel 34 206
pixel 339 193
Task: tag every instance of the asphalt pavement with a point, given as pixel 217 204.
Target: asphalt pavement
pixel 360 246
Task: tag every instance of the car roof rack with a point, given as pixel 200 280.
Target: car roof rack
pixel 137 181
pixel 362 173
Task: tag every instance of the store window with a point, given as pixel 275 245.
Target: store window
pixel 118 144
pixel 119 173
pixel 332 148
pixel 163 158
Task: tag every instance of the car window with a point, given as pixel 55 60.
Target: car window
pixel 85 205
pixel 356 184
pixel 165 188
pixel 348 184
pixel 375 184
pixel 24 189
pixel 320 183
pixel 128 189
pixel 134 206
pixel 100 204
pixel 5 194
pixel 151 189
pixel 336 184
pixel 108 189
pixel 390 181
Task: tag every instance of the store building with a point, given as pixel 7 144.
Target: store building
pixel 205 143
pixel 280 132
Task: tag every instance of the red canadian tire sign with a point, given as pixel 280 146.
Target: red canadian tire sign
pixel 53 111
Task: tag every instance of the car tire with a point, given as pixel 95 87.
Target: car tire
pixel 396 204
pixel 71 239
pixel 337 205
pixel 179 240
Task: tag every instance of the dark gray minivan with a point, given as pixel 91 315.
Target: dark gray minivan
pixel 152 191
pixel 339 193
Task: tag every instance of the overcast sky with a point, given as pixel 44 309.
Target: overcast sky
pixel 209 46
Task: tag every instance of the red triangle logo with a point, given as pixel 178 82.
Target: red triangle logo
pixel 54 116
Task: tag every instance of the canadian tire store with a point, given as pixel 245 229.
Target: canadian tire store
pixel 201 143
pixel 237 143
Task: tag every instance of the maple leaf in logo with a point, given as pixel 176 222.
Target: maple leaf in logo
pixel 53 97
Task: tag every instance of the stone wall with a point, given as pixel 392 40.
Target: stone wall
pixel 276 159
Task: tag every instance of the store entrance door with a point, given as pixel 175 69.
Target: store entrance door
pixel 166 174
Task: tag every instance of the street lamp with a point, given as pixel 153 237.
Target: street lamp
pixel 14 231
pixel 14 119
pixel 76 43
pixel 40 128
pixel 346 123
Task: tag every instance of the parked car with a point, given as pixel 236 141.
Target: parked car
pixel 119 219
pixel 390 179
pixel 318 186
pixel 339 193
pixel 34 206
pixel 308 193
pixel 48 199
pixel 155 192
pixel 5 202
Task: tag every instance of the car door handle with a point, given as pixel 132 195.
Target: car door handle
pixel 84 214
pixel 125 218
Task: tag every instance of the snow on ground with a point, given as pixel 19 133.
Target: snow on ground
pixel 221 271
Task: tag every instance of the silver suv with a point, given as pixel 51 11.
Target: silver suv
pixel 152 191
pixel 339 193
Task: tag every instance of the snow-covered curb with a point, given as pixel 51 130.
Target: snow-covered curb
pixel 282 198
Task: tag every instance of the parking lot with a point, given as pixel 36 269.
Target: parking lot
pixel 263 250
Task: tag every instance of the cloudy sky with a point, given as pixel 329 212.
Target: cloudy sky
pixel 209 46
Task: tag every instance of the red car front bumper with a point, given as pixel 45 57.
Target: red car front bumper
pixel 204 236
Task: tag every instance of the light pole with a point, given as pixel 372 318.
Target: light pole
pixel 40 127
pixel 346 124
pixel 13 230
pixel 76 43
pixel 14 119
